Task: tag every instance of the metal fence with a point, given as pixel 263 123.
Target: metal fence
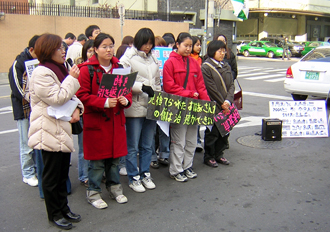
pixel 76 11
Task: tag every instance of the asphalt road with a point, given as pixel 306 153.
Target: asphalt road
pixel 279 189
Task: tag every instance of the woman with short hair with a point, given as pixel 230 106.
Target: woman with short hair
pixel 220 87
pixel 52 85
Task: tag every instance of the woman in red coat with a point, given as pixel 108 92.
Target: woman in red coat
pixel 183 137
pixel 104 124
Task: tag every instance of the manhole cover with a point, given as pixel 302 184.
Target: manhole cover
pixel 255 141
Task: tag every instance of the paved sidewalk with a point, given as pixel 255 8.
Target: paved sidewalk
pixel 4 78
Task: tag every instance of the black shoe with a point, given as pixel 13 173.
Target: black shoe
pixel 72 217
pixel 61 223
pixel 212 163
pixel 223 160
pixel 154 164
pixel 163 161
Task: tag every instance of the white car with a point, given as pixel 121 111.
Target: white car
pixel 310 75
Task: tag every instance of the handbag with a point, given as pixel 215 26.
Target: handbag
pixel 238 97
pixel 76 128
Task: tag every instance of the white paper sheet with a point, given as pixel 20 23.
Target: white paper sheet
pixel 63 112
pixel 121 71
pixel 165 127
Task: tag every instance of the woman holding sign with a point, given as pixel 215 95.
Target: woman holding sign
pixel 220 87
pixel 104 124
pixel 140 130
pixel 183 77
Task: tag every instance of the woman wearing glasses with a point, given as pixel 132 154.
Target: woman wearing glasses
pixel 220 87
pixel 52 85
pixel 104 136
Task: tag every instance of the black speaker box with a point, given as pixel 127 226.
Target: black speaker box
pixel 271 129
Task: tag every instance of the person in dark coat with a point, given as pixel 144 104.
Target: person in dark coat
pixel 104 137
pixel 230 57
pixel 220 87
pixel 21 109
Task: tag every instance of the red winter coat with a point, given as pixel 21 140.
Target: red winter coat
pixel 104 128
pixel 174 75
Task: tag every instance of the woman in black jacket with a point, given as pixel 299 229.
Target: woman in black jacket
pixel 230 57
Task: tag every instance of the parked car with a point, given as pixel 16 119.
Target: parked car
pixel 240 43
pixel 310 46
pixel 295 49
pixel 310 75
pixel 261 48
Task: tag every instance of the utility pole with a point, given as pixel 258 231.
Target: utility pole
pixel 205 28
pixel 122 16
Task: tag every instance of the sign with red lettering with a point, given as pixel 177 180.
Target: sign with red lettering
pixel 226 122
pixel 116 85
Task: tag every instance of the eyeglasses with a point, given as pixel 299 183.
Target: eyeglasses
pixel 61 49
pixel 108 47
pixel 222 51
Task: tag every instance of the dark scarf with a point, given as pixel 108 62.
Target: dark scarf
pixel 59 69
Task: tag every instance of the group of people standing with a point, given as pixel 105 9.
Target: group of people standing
pixel 116 132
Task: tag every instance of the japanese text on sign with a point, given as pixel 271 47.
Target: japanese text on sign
pixel 180 110
pixel 301 118
pixel 114 85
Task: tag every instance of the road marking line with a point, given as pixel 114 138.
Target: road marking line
pixel 7 108
pixel 267 95
pixel 8 131
pixel 5 96
pixel 276 79
pixel 263 77
pixel 251 74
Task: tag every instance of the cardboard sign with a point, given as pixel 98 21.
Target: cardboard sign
pixel 180 110
pixel 226 122
pixel 115 85
pixel 301 118
pixel 162 54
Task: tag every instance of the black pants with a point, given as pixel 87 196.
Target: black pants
pixel 54 176
pixel 214 144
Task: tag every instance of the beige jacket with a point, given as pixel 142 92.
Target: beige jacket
pixel 45 132
pixel 148 74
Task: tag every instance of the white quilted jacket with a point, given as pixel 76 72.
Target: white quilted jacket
pixel 45 132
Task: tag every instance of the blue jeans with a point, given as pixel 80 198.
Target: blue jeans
pixel 26 153
pixel 164 146
pixel 40 168
pixel 140 133
pixel 96 168
pixel 82 163
pixel 122 162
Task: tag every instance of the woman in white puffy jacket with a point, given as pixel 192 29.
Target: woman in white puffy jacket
pixel 140 131
pixel 52 85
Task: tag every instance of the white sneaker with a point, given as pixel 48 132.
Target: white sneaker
pixel 147 181
pixel 33 181
pixel 123 171
pixel 136 185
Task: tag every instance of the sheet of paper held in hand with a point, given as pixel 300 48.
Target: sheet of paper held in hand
pixel 63 112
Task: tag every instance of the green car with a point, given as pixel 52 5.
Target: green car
pixel 310 46
pixel 261 48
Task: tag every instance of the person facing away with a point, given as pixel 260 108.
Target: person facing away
pixel 220 87
pixel 140 130
pixel 104 135
pixel 125 44
pixel 52 85
pixel 21 110
pixel 183 137
pixel 92 31
pixel 74 51
pixel 69 40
